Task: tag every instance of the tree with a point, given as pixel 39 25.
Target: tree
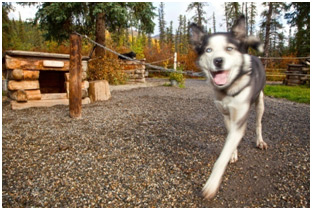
pixel 199 12
pixel 59 19
pixel 214 23
pixel 232 13
pixel 169 34
pixel 252 17
pixel 299 16
pixel 6 26
pixel 162 23
pixel 271 24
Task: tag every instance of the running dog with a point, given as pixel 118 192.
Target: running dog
pixel 238 80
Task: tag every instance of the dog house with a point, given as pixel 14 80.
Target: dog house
pixel 40 79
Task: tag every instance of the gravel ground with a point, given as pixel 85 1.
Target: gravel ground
pixel 152 147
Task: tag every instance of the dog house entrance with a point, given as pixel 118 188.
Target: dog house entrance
pixel 52 81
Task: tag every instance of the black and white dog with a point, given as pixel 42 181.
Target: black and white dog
pixel 238 80
pixel 129 54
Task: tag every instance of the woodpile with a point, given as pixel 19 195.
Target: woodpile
pixel 134 70
pixel 40 79
pixel 297 74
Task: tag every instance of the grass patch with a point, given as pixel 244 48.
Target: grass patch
pixel 300 94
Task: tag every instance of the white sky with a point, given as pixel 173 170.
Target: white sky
pixel 172 12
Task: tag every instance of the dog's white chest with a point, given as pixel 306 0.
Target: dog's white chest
pixel 223 106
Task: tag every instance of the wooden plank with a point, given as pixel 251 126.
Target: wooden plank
pixel 52 96
pixel 56 64
pixel 20 74
pixel 31 64
pixel 44 103
pixel 75 70
pixel 23 85
pixel 40 54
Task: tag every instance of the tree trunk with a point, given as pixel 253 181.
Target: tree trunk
pixel 246 15
pixel 100 35
pixel 267 31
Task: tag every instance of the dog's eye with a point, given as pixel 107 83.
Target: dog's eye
pixel 208 50
pixel 229 48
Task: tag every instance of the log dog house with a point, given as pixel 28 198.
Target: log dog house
pixel 41 79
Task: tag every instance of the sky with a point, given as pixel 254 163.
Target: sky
pixel 172 11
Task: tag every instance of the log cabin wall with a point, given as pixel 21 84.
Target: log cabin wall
pixel 40 79
pixel 134 70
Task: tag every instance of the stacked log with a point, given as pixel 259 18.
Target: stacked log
pixel 23 85
pixel 134 70
pixel 23 78
pixel 297 74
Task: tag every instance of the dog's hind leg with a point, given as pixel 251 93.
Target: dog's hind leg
pixel 259 112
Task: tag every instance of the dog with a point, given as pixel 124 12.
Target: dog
pixel 129 54
pixel 238 80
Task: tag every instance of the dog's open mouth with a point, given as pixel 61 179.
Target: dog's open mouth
pixel 220 77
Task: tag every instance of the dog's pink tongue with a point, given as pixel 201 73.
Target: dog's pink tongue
pixel 220 78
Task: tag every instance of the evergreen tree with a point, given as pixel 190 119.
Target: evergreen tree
pixel 271 24
pixel 252 17
pixel 6 26
pixel 200 13
pixel 299 16
pixel 59 19
pixel 185 37
pixel 232 13
pixel 214 23
pixel 162 23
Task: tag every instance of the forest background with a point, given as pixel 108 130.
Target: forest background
pixel 128 26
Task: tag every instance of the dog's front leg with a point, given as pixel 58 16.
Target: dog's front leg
pixel 237 126
pixel 227 123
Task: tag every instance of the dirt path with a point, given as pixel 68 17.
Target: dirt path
pixel 152 147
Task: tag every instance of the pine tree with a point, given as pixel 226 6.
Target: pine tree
pixel 271 24
pixel 214 23
pixel 60 19
pixel 300 17
pixel 200 13
pixel 6 26
pixel 185 38
pixel 162 23
pixel 232 13
pixel 252 17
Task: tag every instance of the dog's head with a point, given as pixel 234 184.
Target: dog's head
pixel 223 56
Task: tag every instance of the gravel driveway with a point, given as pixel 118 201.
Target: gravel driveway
pixel 152 147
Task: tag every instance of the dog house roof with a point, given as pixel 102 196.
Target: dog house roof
pixel 40 54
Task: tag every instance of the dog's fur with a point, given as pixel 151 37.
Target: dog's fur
pixel 238 80
pixel 129 54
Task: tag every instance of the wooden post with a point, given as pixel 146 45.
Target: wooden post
pixel 175 61
pixel 75 71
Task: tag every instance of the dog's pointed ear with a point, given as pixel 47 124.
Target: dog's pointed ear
pixel 239 28
pixel 196 36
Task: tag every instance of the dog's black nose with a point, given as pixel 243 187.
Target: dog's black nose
pixel 218 62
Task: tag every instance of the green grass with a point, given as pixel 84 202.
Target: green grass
pixel 300 94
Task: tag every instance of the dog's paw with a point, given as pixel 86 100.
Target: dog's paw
pixel 210 189
pixel 262 145
pixel 234 157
